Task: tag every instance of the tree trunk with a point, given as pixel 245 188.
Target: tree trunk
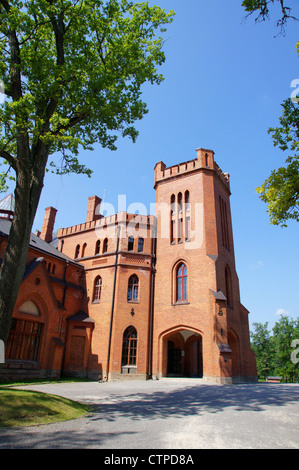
pixel 27 194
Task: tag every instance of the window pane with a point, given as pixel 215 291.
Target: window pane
pixel 140 245
pixel 129 349
pixel 23 340
pixel 133 288
pixel 182 281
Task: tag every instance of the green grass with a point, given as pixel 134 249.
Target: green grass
pixel 28 408
pixel 42 381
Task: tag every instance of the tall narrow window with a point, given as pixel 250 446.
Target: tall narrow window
pixel 181 229
pixel 131 244
pixel 133 288
pixel 172 230
pixel 228 287
pixel 140 245
pixel 97 288
pixel 181 283
pixel 77 251
pixel 207 159
pixel 187 200
pixel 105 245
pixel 97 248
pixel 172 202
pixel 172 219
pixel 188 228
pixel 83 250
pixel 180 201
pixel 224 223
pixel 129 349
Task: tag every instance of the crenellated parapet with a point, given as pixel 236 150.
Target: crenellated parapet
pixel 204 161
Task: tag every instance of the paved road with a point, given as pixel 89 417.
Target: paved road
pixel 169 414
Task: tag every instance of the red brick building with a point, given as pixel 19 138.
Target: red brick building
pixel 132 296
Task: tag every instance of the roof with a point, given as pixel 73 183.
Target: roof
pixel 218 295
pixel 81 317
pixel 37 243
pixel 7 203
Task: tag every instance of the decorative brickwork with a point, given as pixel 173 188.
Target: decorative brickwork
pixel 134 296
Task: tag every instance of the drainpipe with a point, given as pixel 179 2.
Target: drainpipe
pixel 151 319
pixel 113 301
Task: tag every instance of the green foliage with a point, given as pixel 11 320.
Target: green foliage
pixel 263 348
pixel 274 351
pixel 280 191
pixel 73 72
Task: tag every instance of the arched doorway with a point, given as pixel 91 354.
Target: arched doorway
pixel 182 354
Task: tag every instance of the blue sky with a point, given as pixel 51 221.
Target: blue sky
pixel 224 82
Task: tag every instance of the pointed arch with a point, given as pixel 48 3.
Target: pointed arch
pixel 97 290
pixel 129 347
pixel 105 245
pixel 133 288
pixel 97 247
pixel 77 251
pixel 181 280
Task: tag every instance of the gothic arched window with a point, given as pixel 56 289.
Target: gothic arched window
pixel 181 283
pixel 133 287
pixel 97 248
pixel 77 251
pixel 228 287
pixel 83 250
pixel 105 245
pixel 97 288
pixel 129 349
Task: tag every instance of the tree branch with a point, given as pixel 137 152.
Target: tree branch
pixel 10 159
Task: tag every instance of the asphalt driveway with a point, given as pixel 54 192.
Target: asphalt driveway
pixel 168 414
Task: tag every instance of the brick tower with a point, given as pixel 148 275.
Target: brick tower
pixel 200 327
pixel 116 252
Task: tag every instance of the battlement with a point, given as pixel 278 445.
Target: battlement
pixel 112 220
pixel 204 161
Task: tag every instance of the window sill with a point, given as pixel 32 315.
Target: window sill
pixel 181 302
pixel 133 301
pixel 96 302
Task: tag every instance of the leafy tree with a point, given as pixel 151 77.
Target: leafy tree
pixel 72 74
pixel 280 191
pixel 262 346
pixel 274 349
pixel 284 332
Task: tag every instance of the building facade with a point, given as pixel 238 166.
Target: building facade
pixel 141 296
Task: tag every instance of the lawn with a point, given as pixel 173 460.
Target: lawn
pixel 28 408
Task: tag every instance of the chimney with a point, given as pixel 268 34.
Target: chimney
pixel 48 224
pixel 93 210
